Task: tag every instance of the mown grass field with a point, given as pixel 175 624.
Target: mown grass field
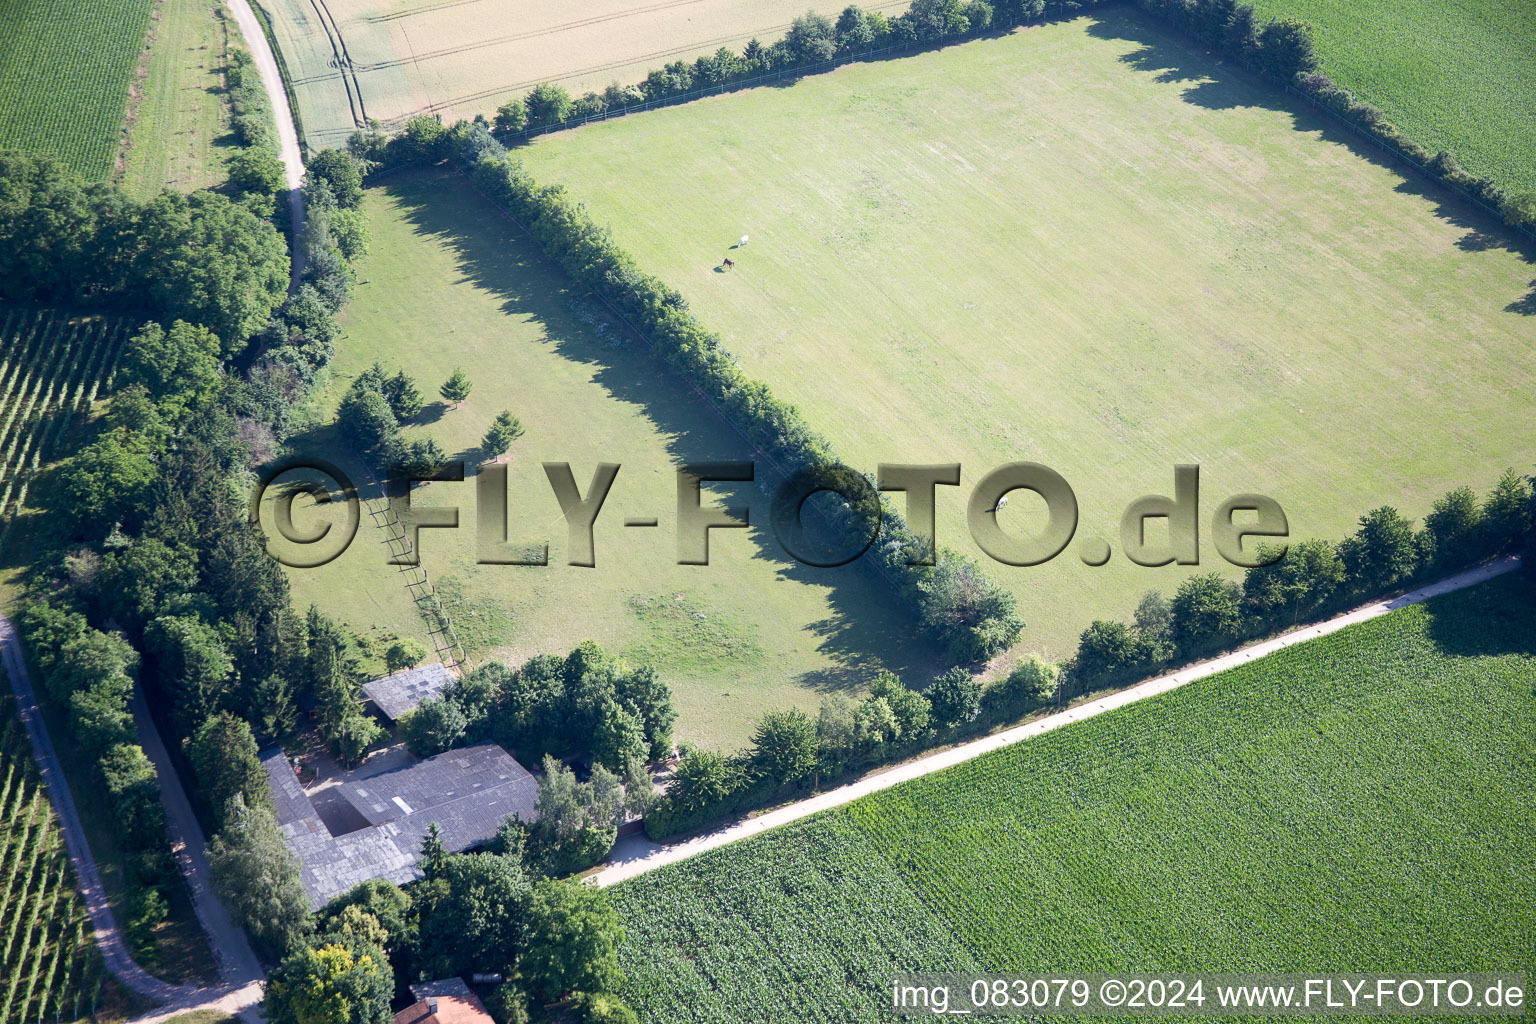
pixel 1086 245
pixel 1454 76
pixel 181 136
pixel 461 59
pixel 65 72
pixel 450 282
pixel 1363 802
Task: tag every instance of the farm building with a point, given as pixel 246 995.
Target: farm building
pixel 448 1001
pixel 373 827
pixel 397 694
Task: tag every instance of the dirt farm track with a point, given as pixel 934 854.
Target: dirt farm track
pixel 352 60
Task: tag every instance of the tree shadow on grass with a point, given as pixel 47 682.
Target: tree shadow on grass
pixel 1493 618
pixel 1218 84
pixel 868 629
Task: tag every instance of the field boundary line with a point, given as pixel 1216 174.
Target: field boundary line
pixel 636 855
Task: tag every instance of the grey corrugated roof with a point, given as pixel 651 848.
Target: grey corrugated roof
pixel 466 793
pixel 441 988
pixel 395 695
pixel 484 771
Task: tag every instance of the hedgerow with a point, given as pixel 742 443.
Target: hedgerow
pixel 953 599
pixel 1297 813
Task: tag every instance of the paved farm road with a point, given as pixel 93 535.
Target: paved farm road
pixel 635 855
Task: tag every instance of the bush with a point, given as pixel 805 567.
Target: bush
pixel 404 654
pixel 1382 552
pixel 784 746
pixel 1207 614
pixel 1032 682
pixel 604 1008
pixel 955 697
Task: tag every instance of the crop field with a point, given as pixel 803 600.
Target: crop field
pixel 1363 799
pixel 49 968
pixel 351 60
pixel 52 366
pixel 450 282
pixel 180 137
pixel 1453 76
pixel 65 72
pixel 1086 245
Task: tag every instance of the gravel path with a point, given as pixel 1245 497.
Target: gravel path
pixel 635 855
pixel 239 987
pixel 287 134
pixel 113 949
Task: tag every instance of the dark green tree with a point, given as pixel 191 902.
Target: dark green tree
pixel 546 104
pixel 192 665
pixel 473 917
pixel 456 388
pixel 433 726
pixel 225 762
pixel 1285 49
pixel 146 579
pixel 338 169
pixel 257 878
pixel 1507 512
pixel 617 737
pixel 784 746
pixel 956 697
pixel 108 481
pixel 175 366
pixel 1309 574
pixel 573 939
pixel 402 395
pixel 505 429
pixel 812 38
pixel 257 169
pixel 1456 524
pixel 1207 614
pixel 1381 552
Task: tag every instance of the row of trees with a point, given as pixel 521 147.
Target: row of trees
pixel 811 39
pixel 953 599
pixel 1283 50
pixel 91 673
pixel 585 703
pixel 1315 578
pixel 792 750
pixel 1209 613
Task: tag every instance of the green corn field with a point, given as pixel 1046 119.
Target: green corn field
pixel 65 72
